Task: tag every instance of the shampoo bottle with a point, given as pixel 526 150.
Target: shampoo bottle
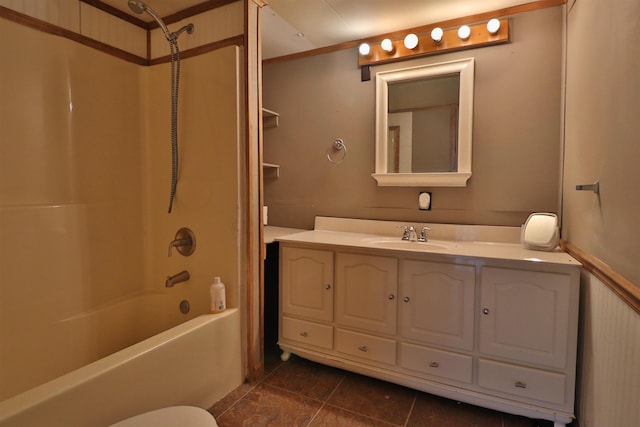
pixel 218 297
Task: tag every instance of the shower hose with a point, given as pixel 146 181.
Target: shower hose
pixel 175 82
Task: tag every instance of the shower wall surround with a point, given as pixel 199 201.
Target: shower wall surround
pixel 84 174
pixel 82 18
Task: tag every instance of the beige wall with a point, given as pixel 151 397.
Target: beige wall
pixel 516 137
pixel 602 129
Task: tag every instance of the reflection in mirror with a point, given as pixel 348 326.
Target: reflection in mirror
pixel 423 125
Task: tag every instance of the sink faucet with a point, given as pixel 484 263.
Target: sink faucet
pixel 183 276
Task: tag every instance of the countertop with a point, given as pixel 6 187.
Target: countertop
pixel 475 249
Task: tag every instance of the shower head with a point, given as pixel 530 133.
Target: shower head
pixel 139 6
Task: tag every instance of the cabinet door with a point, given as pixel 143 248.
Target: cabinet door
pixel 366 288
pixel 438 303
pixel 525 315
pixel 306 280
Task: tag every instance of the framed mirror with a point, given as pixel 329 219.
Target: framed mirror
pixel 424 122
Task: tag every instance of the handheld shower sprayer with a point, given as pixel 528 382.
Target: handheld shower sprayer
pixel 138 6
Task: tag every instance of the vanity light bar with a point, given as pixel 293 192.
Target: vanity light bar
pixel 496 31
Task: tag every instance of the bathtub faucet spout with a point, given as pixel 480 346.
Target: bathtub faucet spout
pixel 183 276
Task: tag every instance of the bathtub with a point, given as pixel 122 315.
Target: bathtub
pixel 195 363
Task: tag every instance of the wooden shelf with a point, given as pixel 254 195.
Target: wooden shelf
pixel 272 169
pixel 270 119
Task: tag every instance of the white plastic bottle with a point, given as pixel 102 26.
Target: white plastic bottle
pixel 218 296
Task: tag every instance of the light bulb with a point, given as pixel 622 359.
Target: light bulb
pixel 364 49
pixel 493 26
pixel 411 41
pixel 387 45
pixel 464 32
pixel 436 34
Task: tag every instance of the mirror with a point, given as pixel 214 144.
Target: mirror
pixel 424 121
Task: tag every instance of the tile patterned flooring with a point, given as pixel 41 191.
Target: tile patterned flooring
pixel 303 393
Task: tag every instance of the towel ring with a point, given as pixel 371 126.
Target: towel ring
pixel 338 145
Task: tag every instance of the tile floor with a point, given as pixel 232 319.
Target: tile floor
pixel 303 393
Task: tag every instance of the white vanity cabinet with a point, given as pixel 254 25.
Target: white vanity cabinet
pixel 366 288
pixel 437 316
pixel 527 334
pixel 498 333
pixel 306 289
pixel 438 301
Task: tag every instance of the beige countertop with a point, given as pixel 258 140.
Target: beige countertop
pixel 271 233
pixel 485 248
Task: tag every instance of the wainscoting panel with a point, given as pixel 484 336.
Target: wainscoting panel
pixel 609 370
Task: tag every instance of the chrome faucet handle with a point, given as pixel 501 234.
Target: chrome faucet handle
pixel 423 234
pixel 407 230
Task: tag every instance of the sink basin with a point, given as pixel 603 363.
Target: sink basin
pixel 390 243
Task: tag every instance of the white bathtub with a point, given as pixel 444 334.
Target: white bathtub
pixel 195 363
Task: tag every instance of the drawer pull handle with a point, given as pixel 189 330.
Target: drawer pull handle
pixel 406 299
pixel 304 334
pixel 520 384
pixel 485 311
pixel 434 365
pixel 363 348
pixel 327 286
pixel 392 296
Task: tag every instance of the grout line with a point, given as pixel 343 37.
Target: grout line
pixel 316 414
pixel 253 387
pixel 324 402
pixel 413 405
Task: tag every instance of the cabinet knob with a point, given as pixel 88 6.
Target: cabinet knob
pixel 520 384
pixel 327 286
pixel 406 299
pixel 303 334
pixel 485 311
pixel 392 296
pixel 363 348
pixel 434 365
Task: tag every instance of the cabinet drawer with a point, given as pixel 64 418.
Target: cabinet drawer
pixel 307 332
pixel 521 381
pixel 366 346
pixel 440 363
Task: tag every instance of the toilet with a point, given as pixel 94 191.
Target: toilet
pixel 173 416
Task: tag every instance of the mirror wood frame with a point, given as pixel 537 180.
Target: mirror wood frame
pixel 464 67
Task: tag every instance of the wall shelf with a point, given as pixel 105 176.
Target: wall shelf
pixel 270 119
pixel 271 169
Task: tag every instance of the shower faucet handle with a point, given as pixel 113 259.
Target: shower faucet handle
pixel 184 241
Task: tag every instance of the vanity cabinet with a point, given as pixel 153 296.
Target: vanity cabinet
pixel 437 315
pixel 525 323
pixel 306 296
pixel 366 288
pixel 438 301
pixel 490 332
